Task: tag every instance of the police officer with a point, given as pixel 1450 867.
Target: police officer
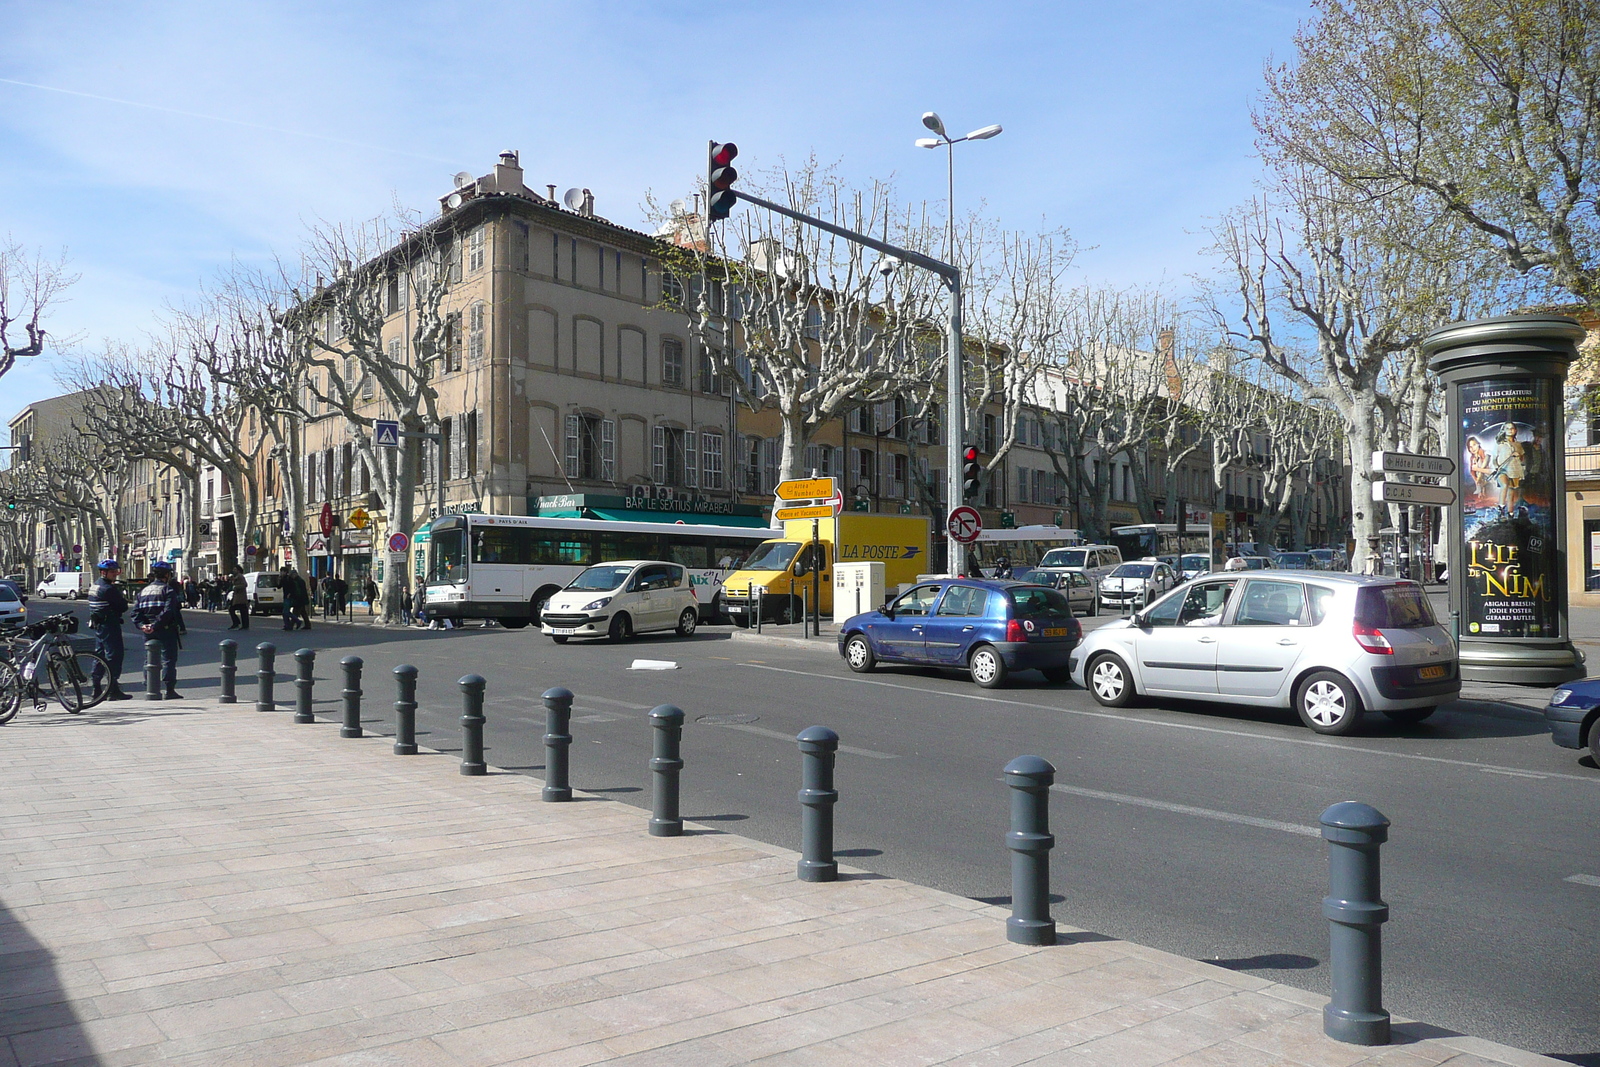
pixel 158 612
pixel 107 604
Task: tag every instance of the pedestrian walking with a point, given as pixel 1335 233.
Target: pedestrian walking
pixel 338 593
pixel 191 591
pixel 107 604
pixel 238 601
pixel 419 607
pixel 371 593
pixel 404 593
pixel 158 612
pixel 296 599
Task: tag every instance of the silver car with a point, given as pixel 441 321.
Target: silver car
pixel 1331 646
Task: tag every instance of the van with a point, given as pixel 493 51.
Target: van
pixel 1094 562
pixel 263 593
pixel 68 585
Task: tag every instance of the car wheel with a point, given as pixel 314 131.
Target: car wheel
pixel 1056 675
pixel 1109 681
pixel 621 628
pixel 858 654
pixel 687 622
pixel 786 612
pixel 1409 716
pixel 1328 704
pixel 988 667
pixel 559 639
pixel 1594 742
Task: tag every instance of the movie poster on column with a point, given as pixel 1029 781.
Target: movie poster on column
pixel 1507 509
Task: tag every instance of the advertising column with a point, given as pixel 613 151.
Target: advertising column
pixel 1508 572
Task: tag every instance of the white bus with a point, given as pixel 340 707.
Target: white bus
pixel 1023 547
pixel 1159 539
pixel 505 567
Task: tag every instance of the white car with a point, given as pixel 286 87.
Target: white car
pixel 1136 584
pixel 1331 646
pixel 620 599
pixel 12 611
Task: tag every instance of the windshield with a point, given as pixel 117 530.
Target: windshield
pixel 1133 570
pixel 1191 562
pixel 266 581
pixel 1037 603
pixel 1063 557
pixel 449 556
pixel 1394 607
pixel 772 556
pixel 1322 553
pixel 8 595
pixel 601 578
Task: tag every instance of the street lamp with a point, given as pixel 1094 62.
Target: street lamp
pixel 955 420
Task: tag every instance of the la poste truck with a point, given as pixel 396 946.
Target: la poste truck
pixel 778 572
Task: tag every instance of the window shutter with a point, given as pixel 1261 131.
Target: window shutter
pixel 691 462
pixel 658 455
pixel 813 462
pixel 572 446
pixel 1022 485
pixel 608 450
pixel 769 463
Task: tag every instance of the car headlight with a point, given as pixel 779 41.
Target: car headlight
pixel 1560 696
pixel 596 605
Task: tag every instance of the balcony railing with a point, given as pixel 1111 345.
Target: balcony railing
pixel 1584 460
pixel 225 505
pixel 205 509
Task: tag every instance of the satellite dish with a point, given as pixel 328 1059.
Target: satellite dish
pixel 573 198
pixel 463 178
pixel 454 200
pixel 678 207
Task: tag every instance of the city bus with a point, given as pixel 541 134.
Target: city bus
pixel 504 567
pixel 1022 548
pixel 1161 539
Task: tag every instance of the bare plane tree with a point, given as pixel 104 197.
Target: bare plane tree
pixel 29 285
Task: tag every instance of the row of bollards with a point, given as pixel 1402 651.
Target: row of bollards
pixel 1354 907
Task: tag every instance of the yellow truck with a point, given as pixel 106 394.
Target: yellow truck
pixel 778 573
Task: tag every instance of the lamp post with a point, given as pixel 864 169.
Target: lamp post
pixel 955 415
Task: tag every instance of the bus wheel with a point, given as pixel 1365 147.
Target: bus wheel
pixel 536 605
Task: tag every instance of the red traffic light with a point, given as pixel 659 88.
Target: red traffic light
pixel 723 154
pixel 720 176
pixel 970 455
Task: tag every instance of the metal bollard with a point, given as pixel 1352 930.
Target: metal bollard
pixel 472 721
pixel 557 739
pixel 352 697
pixel 1030 842
pixel 229 671
pixel 1356 913
pixel 266 653
pixel 405 711
pixel 817 798
pixel 665 764
pixel 305 667
pixel 152 669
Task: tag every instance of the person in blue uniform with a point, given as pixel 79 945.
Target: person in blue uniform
pixel 107 605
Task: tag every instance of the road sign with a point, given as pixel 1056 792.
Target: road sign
pixel 249 550
pixel 325 520
pixel 965 524
pixel 806 489
pixel 399 542
pixel 805 511
pixel 1409 493
pixel 359 518
pixel 386 434
pixel 1406 463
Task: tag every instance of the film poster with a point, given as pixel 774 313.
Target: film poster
pixel 1508 509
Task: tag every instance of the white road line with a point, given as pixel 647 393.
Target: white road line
pixel 1185 809
pixel 619 703
pixel 1582 879
pixel 781 736
pixel 925 691
pixel 1513 774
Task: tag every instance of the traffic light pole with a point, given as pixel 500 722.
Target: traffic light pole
pixel 955 408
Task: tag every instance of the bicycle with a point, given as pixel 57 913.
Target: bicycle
pixel 43 663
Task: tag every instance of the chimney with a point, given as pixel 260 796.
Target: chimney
pixel 552 193
pixel 508 173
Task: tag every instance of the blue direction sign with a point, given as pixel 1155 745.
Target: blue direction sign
pixel 386 434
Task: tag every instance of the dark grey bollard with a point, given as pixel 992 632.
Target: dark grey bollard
pixel 817 798
pixel 405 711
pixel 266 654
pixel 665 764
pixel 305 681
pixel 152 669
pixel 472 721
pixel 1030 842
pixel 229 672
pixel 1356 913
pixel 352 697
pixel 557 740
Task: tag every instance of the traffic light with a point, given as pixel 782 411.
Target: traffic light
pixel 720 177
pixel 11 503
pixel 971 472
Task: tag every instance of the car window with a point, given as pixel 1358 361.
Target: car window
pixel 1036 602
pixel 1203 604
pixel 918 601
pixel 1394 607
pixel 1079 579
pixel 1271 603
pixel 1321 600
pixel 957 601
pixel 1165 611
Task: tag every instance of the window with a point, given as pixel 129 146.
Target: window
pixel 770 449
pixel 672 457
pixel 520 248
pixel 475 331
pixel 863 420
pixel 821 458
pixel 1022 485
pixel 671 288
pixel 749 459
pixel 1271 603
pixel 866 469
pixel 469 442
pixel 930 425
pixel 1039 496
pixel 711 461
pixel 964 600
pixel 591 448
pixel 671 361
pixel 452 342
pixel 899 475
pixel 475 249
pixel 919 601
pixel 446 426
pixel 394 294
pixel 991 434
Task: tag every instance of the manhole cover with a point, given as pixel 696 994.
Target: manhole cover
pixel 726 720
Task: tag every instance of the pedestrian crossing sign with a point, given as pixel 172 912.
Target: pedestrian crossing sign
pixel 386 434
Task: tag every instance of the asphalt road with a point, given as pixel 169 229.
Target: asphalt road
pixel 1191 828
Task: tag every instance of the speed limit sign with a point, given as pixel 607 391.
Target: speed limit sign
pixel 964 524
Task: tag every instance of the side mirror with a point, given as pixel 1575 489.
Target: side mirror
pixel 888 608
pixel 801 570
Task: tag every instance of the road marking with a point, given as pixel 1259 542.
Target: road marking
pixel 1582 879
pixel 1185 809
pixel 1511 773
pixel 1588 779
pixel 599 716
pixel 781 736
pixel 619 703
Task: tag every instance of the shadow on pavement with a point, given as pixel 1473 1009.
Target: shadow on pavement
pixel 35 1014
pixel 1269 961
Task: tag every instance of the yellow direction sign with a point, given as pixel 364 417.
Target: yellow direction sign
pixel 359 518
pixel 809 511
pixel 805 489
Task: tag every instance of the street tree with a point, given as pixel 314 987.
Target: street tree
pixel 30 285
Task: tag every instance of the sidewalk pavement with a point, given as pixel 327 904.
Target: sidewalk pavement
pixel 198 884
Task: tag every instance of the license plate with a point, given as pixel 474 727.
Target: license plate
pixel 563 630
pixel 1056 631
pixel 1427 673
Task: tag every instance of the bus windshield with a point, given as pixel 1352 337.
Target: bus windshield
pixel 449 555
pixel 772 556
pixel 600 578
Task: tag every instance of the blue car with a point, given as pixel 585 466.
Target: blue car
pixel 985 626
pixel 1574 716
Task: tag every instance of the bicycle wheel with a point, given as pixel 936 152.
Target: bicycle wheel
pixel 11 687
pixel 72 678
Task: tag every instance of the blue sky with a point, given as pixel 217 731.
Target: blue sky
pixel 1128 123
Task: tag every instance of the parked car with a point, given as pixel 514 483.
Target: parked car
pixel 1295 561
pixel 1136 584
pixel 1325 558
pixel 69 585
pixel 18 588
pixel 1253 563
pixel 1193 565
pixel 1093 561
pixel 988 627
pixel 1074 585
pixel 263 592
pixel 1574 716
pixel 13 613
pixel 1331 646
pixel 620 599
